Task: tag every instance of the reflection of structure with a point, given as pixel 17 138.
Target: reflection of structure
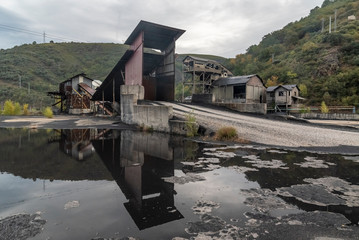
pixel 74 94
pixel 207 71
pixel 77 142
pixel 138 162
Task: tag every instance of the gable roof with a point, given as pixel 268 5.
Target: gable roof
pixel 286 87
pixel 234 80
pixel 156 36
pixel 80 74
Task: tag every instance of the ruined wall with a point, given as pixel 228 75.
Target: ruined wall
pixel 328 116
pixel 260 108
pixel 156 117
pixel 202 98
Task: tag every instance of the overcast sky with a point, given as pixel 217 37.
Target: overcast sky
pixel 217 27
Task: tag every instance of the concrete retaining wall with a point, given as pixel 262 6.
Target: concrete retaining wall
pixel 260 108
pixel 156 117
pixel 137 90
pixel 328 116
pixel 202 98
pixel 77 111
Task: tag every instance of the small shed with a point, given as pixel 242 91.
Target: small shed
pixel 239 89
pixel 283 95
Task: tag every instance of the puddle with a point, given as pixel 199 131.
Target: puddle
pixel 155 186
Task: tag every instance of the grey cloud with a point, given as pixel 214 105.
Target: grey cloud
pixel 224 28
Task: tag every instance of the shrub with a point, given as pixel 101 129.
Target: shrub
pixel 48 112
pixel 25 109
pixel 191 125
pixel 17 109
pixel 9 108
pixel 305 109
pixel 226 133
pixel 324 108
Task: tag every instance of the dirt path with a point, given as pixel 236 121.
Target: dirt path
pixel 271 132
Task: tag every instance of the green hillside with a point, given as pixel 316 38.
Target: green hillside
pixel 44 66
pixel 326 65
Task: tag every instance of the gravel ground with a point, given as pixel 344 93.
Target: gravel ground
pixel 257 129
pixel 281 133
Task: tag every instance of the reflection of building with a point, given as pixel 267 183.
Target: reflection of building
pixel 138 162
pixel 77 142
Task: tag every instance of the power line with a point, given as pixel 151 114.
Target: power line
pixel 44 35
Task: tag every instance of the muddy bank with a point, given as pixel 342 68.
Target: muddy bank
pixel 62 122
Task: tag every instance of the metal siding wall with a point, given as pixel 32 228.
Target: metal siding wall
pixel 134 67
pixel 165 90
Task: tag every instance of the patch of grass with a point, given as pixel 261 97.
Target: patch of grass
pixel 17 109
pixel 324 108
pixel 226 134
pixel 145 128
pixel 191 125
pixel 25 109
pixel 48 112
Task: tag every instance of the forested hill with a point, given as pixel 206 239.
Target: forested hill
pixel 44 66
pixel 325 64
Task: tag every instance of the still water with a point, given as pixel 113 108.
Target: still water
pixel 93 184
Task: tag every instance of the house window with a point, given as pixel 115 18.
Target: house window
pixel 272 95
pixel 295 93
pixel 281 93
pixel 239 91
pixel 288 93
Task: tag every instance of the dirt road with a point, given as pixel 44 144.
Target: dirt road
pixel 273 132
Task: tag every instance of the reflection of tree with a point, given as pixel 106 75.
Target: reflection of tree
pixel 37 158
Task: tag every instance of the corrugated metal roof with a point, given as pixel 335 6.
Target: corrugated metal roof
pixel 287 87
pixel 234 80
pixel 156 36
pixel 87 88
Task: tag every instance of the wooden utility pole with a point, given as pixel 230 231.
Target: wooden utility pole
pixel 330 24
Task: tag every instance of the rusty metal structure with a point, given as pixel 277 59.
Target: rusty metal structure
pixel 200 72
pixel 149 62
pixel 74 95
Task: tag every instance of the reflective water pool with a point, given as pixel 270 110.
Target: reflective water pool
pixel 94 184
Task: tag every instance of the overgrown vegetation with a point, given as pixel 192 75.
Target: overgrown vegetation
pixel 48 112
pixel 226 134
pixel 41 67
pixel 191 124
pixel 324 108
pixel 323 64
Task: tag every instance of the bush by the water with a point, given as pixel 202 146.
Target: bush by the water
pixel 48 112
pixel 226 133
